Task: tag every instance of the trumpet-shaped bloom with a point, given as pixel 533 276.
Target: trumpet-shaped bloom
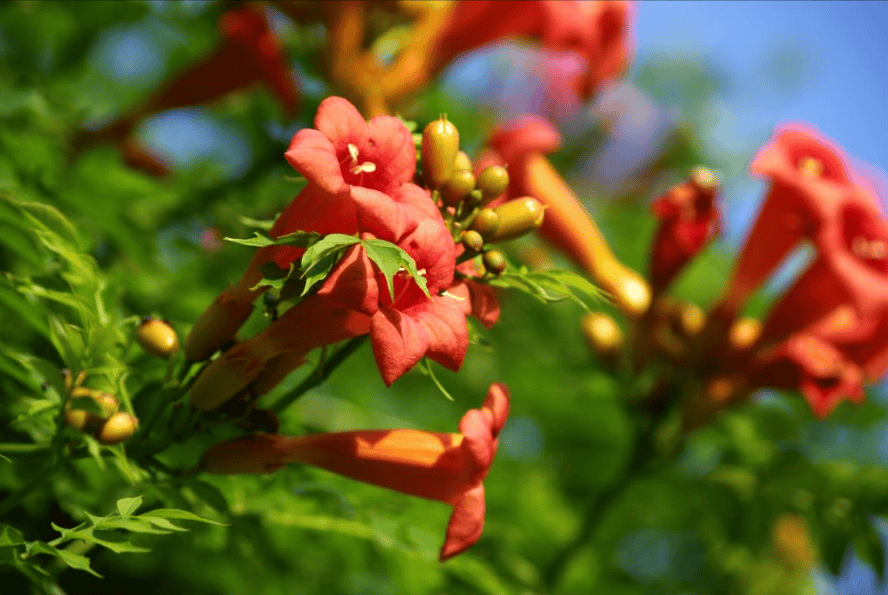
pixel 810 181
pixel 249 53
pixel 445 467
pixel 688 221
pixel 823 375
pixel 358 175
pixel 595 31
pixel 522 145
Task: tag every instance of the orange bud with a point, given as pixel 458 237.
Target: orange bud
pixel 119 427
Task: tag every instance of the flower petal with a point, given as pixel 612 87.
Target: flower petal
pixel 466 524
pixel 339 121
pixel 313 155
pixel 444 323
pixel 398 342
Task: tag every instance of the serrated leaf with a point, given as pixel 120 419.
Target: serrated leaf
pixel 327 245
pixel 133 524
pixel 173 513
pixel 319 259
pixel 127 506
pixel 76 561
pixel 10 537
pixel 160 525
pixel 73 560
pixel 551 286
pixel 391 259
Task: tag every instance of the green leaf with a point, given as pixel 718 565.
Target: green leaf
pixel 258 240
pixel 551 286
pixel 391 259
pixel 264 224
pixel 77 561
pixel 173 513
pixel 127 506
pixel 10 537
pixel 868 545
pixel 319 259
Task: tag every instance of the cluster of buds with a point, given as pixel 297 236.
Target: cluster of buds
pixel 464 199
pixel 95 412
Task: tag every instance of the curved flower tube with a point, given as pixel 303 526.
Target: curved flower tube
pixel 522 145
pixel 445 467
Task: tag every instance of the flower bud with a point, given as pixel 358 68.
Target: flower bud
pixel 458 187
pixel 493 181
pixel 791 540
pixel 75 418
pixel 157 338
pixel 744 333
pixel 603 334
pixel 474 198
pixel 494 262
pixel 517 218
pixel 119 427
pixel 486 222
pixel 462 162
pixel 472 241
pixel 440 145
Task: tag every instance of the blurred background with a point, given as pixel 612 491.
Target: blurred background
pixel 708 82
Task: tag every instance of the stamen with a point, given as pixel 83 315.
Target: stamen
pixel 363 168
pixel 353 151
pixel 811 167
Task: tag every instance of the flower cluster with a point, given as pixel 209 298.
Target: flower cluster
pixel 359 184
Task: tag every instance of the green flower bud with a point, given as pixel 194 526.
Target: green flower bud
pixel 157 338
pixel 517 218
pixel 486 222
pixel 119 427
pixel 494 262
pixel 460 184
pixel 440 145
pixel 462 162
pixel 472 241
pixel 493 181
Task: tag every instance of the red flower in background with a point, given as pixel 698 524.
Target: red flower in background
pixel 595 31
pixel 810 181
pixel 688 221
pixel 522 146
pixel 445 467
pixel 249 53
pixel 818 370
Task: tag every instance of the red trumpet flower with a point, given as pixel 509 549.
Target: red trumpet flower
pixel 445 467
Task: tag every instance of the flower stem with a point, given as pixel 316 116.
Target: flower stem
pixel 320 373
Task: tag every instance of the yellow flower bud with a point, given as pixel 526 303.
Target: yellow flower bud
pixel 458 187
pixel 157 338
pixel 440 145
pixel 119 427
pixel 462 162
pixel 493 181
pixel 472 241
pixel 517 218
pixel 486 222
